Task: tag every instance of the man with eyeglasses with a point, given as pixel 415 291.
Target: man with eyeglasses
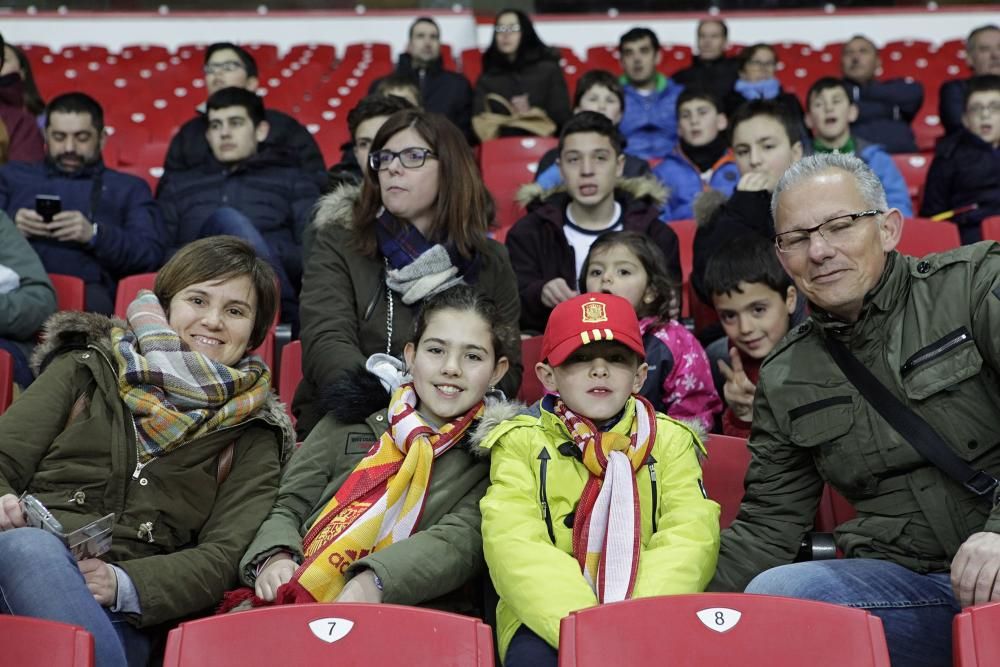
pixel 228 65
pixel 922 545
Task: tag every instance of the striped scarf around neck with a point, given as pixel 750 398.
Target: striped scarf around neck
pixel 174 394
pixel 607 532
pixel 380 502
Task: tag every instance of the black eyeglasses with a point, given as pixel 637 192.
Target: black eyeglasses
pixel 834 231
pixel 227 66
pixel 411 158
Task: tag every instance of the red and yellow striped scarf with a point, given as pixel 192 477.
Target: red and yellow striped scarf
pixel 607 532
pixel 379 503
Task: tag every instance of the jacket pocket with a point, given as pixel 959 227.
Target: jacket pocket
pixel 821 421
pixel 826 427
pixel 942 364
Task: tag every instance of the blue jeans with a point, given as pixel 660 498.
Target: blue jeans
pixel 916 609
pixel 228 220
pixel 526 649
pixel 39 578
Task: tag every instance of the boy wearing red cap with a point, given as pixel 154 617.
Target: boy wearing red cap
pixel 598 498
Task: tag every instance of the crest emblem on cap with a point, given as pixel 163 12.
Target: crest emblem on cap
pixel 594 311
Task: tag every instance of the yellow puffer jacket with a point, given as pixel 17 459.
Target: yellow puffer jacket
pixel 530 555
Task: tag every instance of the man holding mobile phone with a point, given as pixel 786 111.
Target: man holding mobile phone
pixel 82 218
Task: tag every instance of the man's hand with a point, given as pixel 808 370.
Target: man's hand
pixel 279 570
pixel 29 223
pixel 71 226
pixel 556 291
pixel 361 588
pixel 974 569
pixel 11 514
pixel 101 580
pixel 752 181
pixel 738 390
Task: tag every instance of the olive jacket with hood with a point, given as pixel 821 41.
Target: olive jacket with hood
pixel 178 532
pixel 447 543
pixel 537 479
pixel 346 313
pixel 928 332
pixel 540 252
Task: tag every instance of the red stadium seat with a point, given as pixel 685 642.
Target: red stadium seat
pixel 472 64
pixel 922 236
pixel 991 228
pixel 975 642
pixel 914 168
pixel 604 57
pixel 703 315
pixel 290 375
pixel 531 387
pixel 507 164
pixel 833 510
pixel 6 380
pixel 332 634
pixel 32 642
pixel 716 630
pixel 685 230
pixel 71 292
pixel 723 472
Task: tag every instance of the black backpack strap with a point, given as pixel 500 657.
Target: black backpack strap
pixel 909 424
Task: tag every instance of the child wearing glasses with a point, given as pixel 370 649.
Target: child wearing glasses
pixel 963 185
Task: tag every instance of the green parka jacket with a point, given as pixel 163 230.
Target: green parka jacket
pixel 444 553
pixel 178 533
pixel 929 332
pixel 345 313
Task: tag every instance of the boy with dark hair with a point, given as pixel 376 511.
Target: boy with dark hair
pixel 765 141
pixel 363 122
pixel 245 191
pixel 597 499
pixel 829 114
pixel 229 65
pixel 963 184
pixel 701 160
pixel 548 245
pixel 755 301
pixel 597 90
pixel 399 85
pixel 649 122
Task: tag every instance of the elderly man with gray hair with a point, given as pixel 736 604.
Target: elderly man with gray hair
pixel 889 394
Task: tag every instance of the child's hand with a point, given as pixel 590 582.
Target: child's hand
pixel 556 291
pixel 361 588
pixel 279 570
pixel 752 181
pixel 739 390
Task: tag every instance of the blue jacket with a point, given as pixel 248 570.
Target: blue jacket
pixel 130 235
pixel 277 197
pixel 684 182
pixel 650 121
pixel 897 193
pixel 885 111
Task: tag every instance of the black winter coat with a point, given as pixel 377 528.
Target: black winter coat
pixel 965 170
pixel 541 80
pixel 441 91
pixel 885 111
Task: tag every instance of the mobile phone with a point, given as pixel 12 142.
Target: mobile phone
pixel 48 206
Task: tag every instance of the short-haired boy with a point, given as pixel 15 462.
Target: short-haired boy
pixel 963 184
pixel 597 90
pixel 596 468
pixel 701 160
pixel 755 301
pixel 829 114
pixel 548 245
pixel 363 123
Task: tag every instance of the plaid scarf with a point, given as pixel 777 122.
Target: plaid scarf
pixel 401 243
pixel 380 502
pixel 176 395
pixel 606 532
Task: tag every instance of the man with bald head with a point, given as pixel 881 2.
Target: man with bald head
pixel 885 108
pixel 922 545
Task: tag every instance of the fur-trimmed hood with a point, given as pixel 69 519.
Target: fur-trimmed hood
pixel 706 204
pixel 639 187
pixel 337 207
pixel 73 330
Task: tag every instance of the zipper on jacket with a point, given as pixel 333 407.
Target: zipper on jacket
pixel 651 464
pixel 936 349
pixel 543 456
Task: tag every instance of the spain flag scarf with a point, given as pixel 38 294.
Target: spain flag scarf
pixel 607 531
pixel 380 502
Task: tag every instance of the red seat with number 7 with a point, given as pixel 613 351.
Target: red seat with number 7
pixel 332 634
pixel 720 630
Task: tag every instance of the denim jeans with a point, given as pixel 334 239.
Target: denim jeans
pixel 39 578
pixel 526 649
pixel 916 609
pixel 228 220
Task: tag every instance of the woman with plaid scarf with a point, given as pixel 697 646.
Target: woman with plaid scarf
pixel 161 425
